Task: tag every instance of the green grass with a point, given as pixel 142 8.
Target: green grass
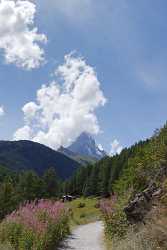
pixel 87 214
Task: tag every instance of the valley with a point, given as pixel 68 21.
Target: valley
pixel 118 202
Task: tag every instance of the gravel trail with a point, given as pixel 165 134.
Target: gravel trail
pixel 85 237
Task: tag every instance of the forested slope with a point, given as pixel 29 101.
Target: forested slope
pixel 134 167
pixel 28 155
pixel 135 185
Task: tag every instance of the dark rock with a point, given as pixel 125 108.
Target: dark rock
pixel 157 193
pixel 141 204
pixel 144 201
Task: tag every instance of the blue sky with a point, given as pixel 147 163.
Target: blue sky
pixel 123 40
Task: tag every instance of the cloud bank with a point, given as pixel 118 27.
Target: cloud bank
pixel 116 148
pixel 19 38
pixel 65 107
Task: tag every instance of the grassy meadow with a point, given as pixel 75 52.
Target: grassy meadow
pixel 83 211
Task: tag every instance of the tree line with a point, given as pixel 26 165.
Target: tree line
pixel 132 169
pixel 16 188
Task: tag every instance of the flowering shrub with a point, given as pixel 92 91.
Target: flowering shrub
pixel 115 219
pixel 39 225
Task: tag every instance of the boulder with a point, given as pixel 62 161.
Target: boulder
pixel 142 203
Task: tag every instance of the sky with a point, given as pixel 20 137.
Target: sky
pixel 68 66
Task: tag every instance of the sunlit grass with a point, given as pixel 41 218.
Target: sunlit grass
pixel 83 215
pixel 5 247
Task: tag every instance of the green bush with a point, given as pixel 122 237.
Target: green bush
pixel 81 205
pixel 115 219
pixel 83 215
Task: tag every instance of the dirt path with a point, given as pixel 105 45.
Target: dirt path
pixel 85 237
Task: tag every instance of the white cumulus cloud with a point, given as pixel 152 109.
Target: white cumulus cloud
pixel 19 38
pixel 2 112
pixel 116 147
pixel 23 133
pixel 100 147
pixel 65 107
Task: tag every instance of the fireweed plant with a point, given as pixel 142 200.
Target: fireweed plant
pixel 39 225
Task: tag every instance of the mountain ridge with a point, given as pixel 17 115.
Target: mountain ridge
pixel 83 160
pixel 28 155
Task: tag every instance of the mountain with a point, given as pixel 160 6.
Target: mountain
pixel 26 155
pixel 83 160
pixel 86 146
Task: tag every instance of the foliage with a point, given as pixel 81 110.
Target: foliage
pixel 140 169
pixel 51 183
pixel 97 180
pixel 143 166
pixel 150 236
pixel 26 186
pixel 8 199
pixel 5 247
pixel 115 220
pixel 81 205
pixel 36 225
pixel 30 186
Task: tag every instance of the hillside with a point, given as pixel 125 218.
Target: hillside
pixel 135 185
pixel 26 155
